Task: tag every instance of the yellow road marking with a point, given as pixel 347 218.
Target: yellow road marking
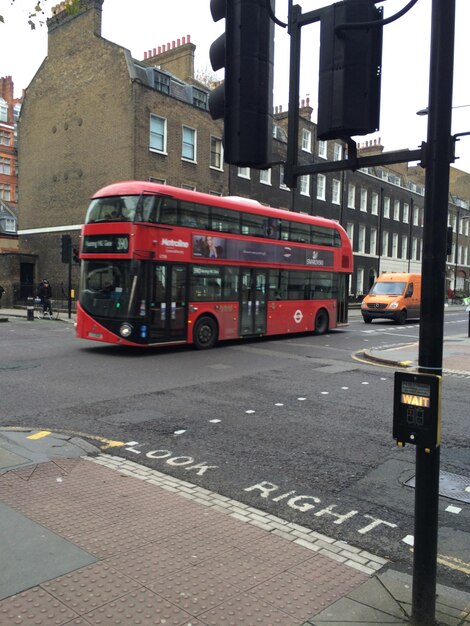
pixel 453 562
pixel 110 444
pixel 39 435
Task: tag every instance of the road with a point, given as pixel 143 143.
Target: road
pixel 295 426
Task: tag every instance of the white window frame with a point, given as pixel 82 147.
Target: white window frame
pixel 186 133
pixel 265 176
pixel 306 140
pixel 373 241
pixel 10 224
pixel 3 110
pixel 350 231
pixel 414 248
pixel 361 241
pixel 304 185
pixel 337 152
pixel 385 243
pixel 244 172
pixel 406 213
pixel 387 207
pixel 396 210
pixel 217 142
pixel 163 135
pixel 336 191
pixel 364 199
pixel 374 206
pixel 322 149
pixel 395 246
pixel 321 187
pixel 416 217
pixel 404 246
pixel 351 196
pixel 360 281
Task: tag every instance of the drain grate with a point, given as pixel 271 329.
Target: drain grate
pixel 451 486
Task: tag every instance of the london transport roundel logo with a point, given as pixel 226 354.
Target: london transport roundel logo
pixel 298 317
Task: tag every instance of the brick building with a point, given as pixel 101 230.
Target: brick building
pixel 93 115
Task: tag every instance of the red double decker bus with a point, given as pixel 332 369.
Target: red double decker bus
pixel 161 265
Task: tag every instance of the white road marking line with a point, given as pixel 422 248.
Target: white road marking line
pixel 453 509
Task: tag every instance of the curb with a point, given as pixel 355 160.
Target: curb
pixel 383 361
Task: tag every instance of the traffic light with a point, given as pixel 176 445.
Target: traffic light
pixel 245 99
pixel 350 69
pixel 65 248
pixel 75 255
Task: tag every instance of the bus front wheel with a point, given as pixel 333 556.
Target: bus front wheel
pixel 322 322
pixel 205 333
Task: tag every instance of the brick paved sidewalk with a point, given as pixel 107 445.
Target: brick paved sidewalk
pixel 160 558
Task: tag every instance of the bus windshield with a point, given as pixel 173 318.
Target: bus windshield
pixel 109 289
pixel 387 289
pixel 121 209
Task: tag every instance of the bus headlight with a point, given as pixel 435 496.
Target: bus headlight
pixel 394 305
pixel 126 330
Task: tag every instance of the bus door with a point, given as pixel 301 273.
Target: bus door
pixel 168 310
pixel 253 301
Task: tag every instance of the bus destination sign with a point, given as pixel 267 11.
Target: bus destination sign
pixel 105 244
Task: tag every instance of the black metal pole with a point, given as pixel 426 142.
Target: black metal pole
pixel 295 13
pixel 437 160
pixel 70 285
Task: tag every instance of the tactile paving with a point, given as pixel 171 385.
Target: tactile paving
pixel 90 587
pixel 139 608
pixel 34 606
pixel 245 610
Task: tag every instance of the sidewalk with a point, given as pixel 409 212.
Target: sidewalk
pixel 95 539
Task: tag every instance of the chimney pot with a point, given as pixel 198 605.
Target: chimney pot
pixel 188 37
pixel 145 55
pixel 178 42
pixel 154 52
pixel 184 40
pixel 173 44
pixel 159 49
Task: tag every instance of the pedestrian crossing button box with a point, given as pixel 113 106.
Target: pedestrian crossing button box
pixel 417 409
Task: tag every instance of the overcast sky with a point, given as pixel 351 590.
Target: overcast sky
pixel 141 25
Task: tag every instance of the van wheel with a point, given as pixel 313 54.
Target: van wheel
pixel 401 317
pixel 367 320
pixel 322 322
pixel 205 333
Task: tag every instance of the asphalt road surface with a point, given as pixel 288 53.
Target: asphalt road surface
pixel 295 426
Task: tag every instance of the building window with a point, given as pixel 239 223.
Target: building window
pixel 282 184
pixel 5 138
pixel 244 172
pixel 396 210
pixel 361 243
pixel 216 157
pixel 465 227
pixel 363 199
pixel 160 181
pixel 406 212
pixel 157 134
pixel 306 140
pixel 188 187
pixel 373 241
pixel 337 152
pixel 322 149
pixel 305 185
pixel 336 191
pixel 416 217
pixel 360 281
pixel 385 243
pixel 404 247
pixel 16 112
pixel 351 196
pixel 394 246
pixel 321 186
pixel 200 98
pixel 5 191
pixel 374 209
pixel 5 166
pixel 188 149
pixel 9 225
pixel 265 176
pixel 350 231
pixel 3 110
pixel 414 248
pixel 161 82
pixel 387 207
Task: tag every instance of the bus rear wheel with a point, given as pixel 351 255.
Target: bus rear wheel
pixel 322 322
pixel 205 333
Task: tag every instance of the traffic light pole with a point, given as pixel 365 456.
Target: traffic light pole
pixel 439 155
pixel 70 288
